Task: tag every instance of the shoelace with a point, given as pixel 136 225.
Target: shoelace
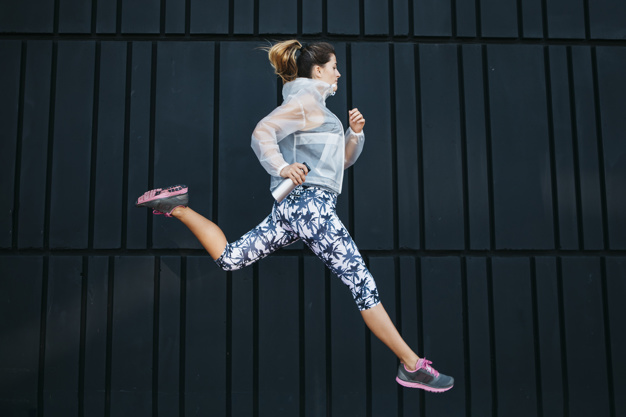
pixel 425 363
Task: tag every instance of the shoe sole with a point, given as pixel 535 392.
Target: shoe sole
pixel 159 194
pixel 421 386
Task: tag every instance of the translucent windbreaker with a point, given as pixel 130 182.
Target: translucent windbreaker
pixel 302 129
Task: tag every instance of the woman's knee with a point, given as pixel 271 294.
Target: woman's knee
pixel 227 262
pixel 367 301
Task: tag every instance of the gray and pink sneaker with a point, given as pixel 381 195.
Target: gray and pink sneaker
pixel 164 200
pixel 424 377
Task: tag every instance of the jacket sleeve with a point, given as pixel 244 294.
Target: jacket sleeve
pixel 283 121
pixel 354 146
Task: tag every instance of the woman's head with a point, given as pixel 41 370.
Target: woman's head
pixel 316 60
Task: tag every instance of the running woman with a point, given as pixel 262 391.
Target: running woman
pixel 303 129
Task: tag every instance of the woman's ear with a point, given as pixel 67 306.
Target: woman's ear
pixel 317 71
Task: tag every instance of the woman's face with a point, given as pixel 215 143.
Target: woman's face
pixel 327 73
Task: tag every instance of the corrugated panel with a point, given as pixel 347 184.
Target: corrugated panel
pixel 488 203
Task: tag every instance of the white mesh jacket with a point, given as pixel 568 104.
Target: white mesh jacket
pixel 302 129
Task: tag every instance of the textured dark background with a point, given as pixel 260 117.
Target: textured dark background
pixel 489 202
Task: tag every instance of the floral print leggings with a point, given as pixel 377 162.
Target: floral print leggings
pixel 308 213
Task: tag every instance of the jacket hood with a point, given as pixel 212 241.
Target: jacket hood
pixel 321 88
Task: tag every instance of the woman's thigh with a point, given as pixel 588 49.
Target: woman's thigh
pixel 265 238
pixel 318 225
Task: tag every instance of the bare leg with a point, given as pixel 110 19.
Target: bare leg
pixel 207 232
pixel 378 321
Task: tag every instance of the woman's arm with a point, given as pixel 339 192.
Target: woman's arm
pixel 355 138
pixel 299 113
pixel 273 128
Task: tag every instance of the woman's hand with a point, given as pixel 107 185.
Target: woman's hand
pixel 296 171
pixel 356 120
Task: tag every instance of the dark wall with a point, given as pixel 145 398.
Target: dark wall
pixel 489 203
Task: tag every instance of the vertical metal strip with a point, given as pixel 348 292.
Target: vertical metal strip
pixel 553 168
pixel 94 147
pixel 42 336
pixel 18 149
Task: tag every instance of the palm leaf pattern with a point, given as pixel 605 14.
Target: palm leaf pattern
pixel 308 213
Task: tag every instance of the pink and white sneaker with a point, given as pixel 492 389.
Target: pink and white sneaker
pixel 424 377
pixel 164 200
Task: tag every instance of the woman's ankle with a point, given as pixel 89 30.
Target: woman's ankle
pixel 410 363
pixel 179 211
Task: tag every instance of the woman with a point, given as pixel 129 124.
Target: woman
pixel 303 129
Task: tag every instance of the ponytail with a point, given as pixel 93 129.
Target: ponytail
pixel 287 66
pixel 282 56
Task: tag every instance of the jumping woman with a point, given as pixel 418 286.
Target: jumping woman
pixel 302 129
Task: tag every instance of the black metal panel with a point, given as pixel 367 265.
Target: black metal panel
pixel 376 17
pixel 183 130
pixel 564 151
pixel 205 337
pixel 95 336
pixel 315 341
pixel 247 93
pixel 443 175
pixel 278 17
pixel 18 16
pixel 90 121
pixel 343 17
pixel 137 128
pixel 408 321
pixel 141 16
pixel 566 19
pixel 31 214
pixel 498 18
pixel 478 181
pixel 432 18
pixel 348 392
pixel 513 333
pixel 520 148
pixel 531 15
pixel 132 336
pixel 373 170
pixel 443 344
pixel 585 337
pixel 168 311
pixel 384 397
pixel 10 52
pixel 408 160
pixel 243 19
pixel 611 91
pixel 606 19
pixel 71 160
pixel 548 333
pixel 479 345
pixel 466 22
pixel 583 95
pixel 279 362
pixel 401 17
pixel 20 314
pixel 62 336
pixel 208 17
pixel 614 305
pixel 312 18
pixel 75 16
pixel 243 346
pixel 106 17
pixel 175 16
pixel 109 169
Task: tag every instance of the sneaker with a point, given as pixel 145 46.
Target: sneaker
pixel 424 377
pixel 164 200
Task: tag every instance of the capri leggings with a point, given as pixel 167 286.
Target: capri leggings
pixel 308 213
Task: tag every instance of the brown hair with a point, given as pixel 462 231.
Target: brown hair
pixel 288 64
